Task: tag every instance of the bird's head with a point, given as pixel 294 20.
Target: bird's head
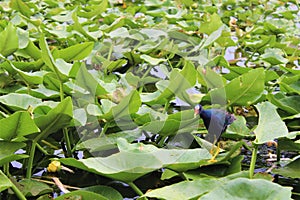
pixel 197 110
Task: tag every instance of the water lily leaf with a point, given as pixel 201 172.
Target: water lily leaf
pixel 7 152
pixel 184 190
pixel 239 189
pixel 213 37
pixel 151 60
pixel 22 7
pixel 174 124
pixel 136 160
pixel 212 23
pixel 5 182
pixel 237 129
pixel 243 90
pixel 179 82
pixel 181 160
pixel 82 195
pixel 75 52
pixel 290 104
pixel 9 40
pixel 59 117
pixel 32 188
pixel 108 192
pixel 86 81
pixel 30 77
pixel 41 92
pixel 17 125
pixel 108 141
pixel 274 56
pixel 94 10
pixel 19 101
pixel 129 104
pixel 123 166
pixel 290 170
pixel 78 27
pixel 270 126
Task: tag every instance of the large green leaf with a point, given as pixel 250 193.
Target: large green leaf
pixel 5 183
pixel 270 126
pixel 123 166
pixel 59 117
pixel 129 104
pixel 290 104
pixel 184 190
pixel 289 170
pixel 136 160
pixel 33 188
pixel 106 191
pixel 180 122
pixel 82 195
pixel 8 152
pixel 9 40
pixel 86 81
pixel 75 52
pixel 243 90
pixel 242 188
pixel 179 82
pixel 19 101
pixel 22 7
pixel 17 126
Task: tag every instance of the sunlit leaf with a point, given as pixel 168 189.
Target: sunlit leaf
pixel 270 126
pixel 9 40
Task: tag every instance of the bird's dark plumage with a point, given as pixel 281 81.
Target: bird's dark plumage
pixel 215 121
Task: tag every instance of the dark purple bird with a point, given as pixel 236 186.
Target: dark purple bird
pixel 215 121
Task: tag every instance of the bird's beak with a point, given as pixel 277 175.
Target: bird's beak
pixel 196 112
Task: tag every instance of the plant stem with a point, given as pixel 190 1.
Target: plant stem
pixel 161 141
pixel 135 188
pixel 30 161
pixel 41 149
pixel 167 104
pixel 104 129
pixel 68 142
pixel 253 160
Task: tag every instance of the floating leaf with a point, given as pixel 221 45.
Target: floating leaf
pixel 5 182
pixel 19 101
pixel 82 195
pixel 243 90
pixel 289 170
pixel 75 52
pixel 108 192
pixel 270 126
pixel 17 126
pixel 184 190
pixel 239 189
pixel 59 117
pixel 8 152
pixel 33 188
pixel 9 40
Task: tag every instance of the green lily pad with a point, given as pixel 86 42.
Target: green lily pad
pixel 289 170
pixel 270 126
pixel 243 90
pixel 19 101
pixel 16 126
pixel 82 195
pixel 7 152
pixel 242 188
